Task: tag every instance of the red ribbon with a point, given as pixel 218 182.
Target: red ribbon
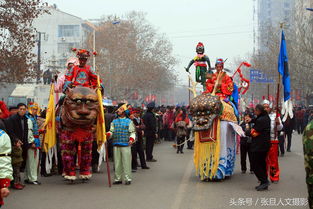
pixel 243 80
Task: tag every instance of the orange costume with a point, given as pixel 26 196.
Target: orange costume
pixel 225 85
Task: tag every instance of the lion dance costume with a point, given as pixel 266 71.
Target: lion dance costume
pixel 78 115
pixel 215 126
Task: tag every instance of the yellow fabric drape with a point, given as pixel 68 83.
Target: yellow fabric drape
pixel 100 128
pixel 49 125
pixel 207 155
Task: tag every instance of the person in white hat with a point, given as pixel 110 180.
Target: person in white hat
pixel 272 157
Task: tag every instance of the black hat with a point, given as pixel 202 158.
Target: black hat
pixel 151 105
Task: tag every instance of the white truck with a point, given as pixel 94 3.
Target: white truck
pixel 25 93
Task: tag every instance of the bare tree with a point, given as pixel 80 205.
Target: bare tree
pixel 133 57
pixel 301 55
pixel 17 39
pixel 299 37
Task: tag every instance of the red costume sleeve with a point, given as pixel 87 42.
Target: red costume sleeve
pixel 69 75
pixel 210 84
pixel 227 86
pixel 254 133
pixel 178 117
pixel 93 78
pixel 187 121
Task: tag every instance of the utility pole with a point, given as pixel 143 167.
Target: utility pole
pixel 39 56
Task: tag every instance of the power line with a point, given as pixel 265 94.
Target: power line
pixel 213 34
pixel 212 28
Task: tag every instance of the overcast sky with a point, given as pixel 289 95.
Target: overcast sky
pixel 224 26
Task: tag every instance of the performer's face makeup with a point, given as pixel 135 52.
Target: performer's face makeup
pixel 219 68
pixel 121 113
pixel 35 111
pixel 82 62
pixel 70 65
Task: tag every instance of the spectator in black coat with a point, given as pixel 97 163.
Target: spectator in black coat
pixel 289 126
pixel 260 145
pixel 137 147
pixel 150 123
pixel 18 130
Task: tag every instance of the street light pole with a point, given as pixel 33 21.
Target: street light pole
pixel 38 77
pixel 38 57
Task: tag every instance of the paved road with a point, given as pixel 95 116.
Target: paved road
pixel 170 184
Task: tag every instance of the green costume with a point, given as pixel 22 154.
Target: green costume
pixel 201 62
pixel 308 160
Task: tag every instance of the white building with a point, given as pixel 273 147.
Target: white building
pixel 60 32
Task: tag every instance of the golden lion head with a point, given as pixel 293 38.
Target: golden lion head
pixel 80 108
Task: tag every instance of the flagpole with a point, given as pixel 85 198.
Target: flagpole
pixel 278 93
pixel 277 104
pixel 99 86
pixel 268 92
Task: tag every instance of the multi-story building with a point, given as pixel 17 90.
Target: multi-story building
pixel 59 32
pixel 269 14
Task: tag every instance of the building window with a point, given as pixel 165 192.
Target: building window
pixel 66 47
pixel 68 30
pixel 269 4
pixel 62 62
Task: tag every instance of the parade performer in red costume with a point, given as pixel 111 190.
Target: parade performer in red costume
pixel 220 79
pixel 82 74
pixel 78 116
pixel 4 112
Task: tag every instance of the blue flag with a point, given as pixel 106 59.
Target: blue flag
pixel 283 67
